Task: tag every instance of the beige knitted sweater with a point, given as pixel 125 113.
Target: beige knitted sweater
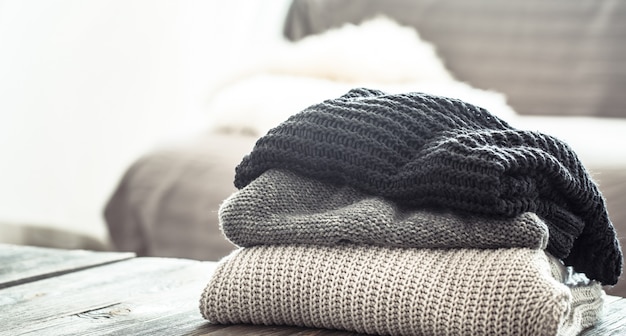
pixel 401 291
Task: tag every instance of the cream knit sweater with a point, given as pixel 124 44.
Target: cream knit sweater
pixel 401 291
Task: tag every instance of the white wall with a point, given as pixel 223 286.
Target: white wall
pixel 87 86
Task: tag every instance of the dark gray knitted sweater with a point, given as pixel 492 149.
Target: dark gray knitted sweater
pixel 422 150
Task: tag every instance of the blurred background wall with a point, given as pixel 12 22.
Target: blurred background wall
pixel 88 86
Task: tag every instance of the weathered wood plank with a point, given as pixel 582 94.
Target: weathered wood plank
pixel 21 264
pixel 168 304
pixel 29 306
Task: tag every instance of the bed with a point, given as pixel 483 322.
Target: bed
pixel 559 65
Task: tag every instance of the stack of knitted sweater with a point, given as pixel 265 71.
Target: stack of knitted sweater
pixel 412 214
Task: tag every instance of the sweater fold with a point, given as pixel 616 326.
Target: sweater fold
pixel 424 151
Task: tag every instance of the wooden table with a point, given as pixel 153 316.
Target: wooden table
pixel 59 292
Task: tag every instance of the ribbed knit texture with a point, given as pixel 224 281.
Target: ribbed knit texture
pixel 281 207
pixel 422 150
pixel 400 291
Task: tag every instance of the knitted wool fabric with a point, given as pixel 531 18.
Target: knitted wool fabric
pixel 281 207
pixel 400 291
pixel 422 150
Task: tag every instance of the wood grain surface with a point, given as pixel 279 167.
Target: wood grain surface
pixel 19 264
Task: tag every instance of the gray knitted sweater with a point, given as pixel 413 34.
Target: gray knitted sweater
pixel 281 207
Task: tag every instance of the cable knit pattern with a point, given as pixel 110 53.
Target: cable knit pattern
pixel 282 207
pixel 422 150
pixel 400 291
